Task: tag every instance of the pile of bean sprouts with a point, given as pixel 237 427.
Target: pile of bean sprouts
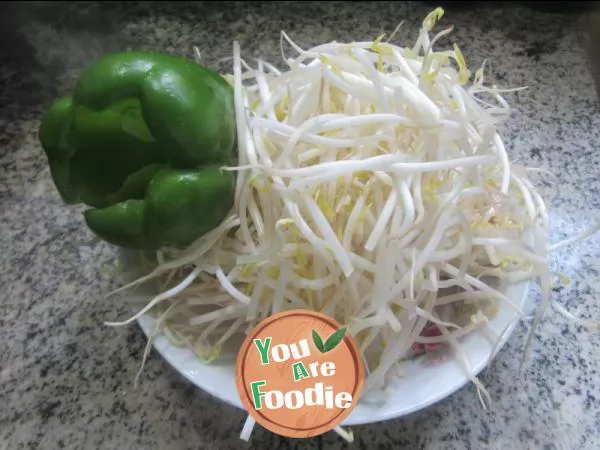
pixel 371 178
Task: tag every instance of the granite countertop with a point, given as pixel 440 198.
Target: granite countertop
pixel 66 381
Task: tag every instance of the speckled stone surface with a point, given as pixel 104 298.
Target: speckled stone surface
pixel 66 381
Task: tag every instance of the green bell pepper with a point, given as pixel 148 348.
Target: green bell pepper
pixel 142 141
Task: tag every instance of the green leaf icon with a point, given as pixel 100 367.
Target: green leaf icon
pixel 318 341
pixel 334 340
pixel 331 343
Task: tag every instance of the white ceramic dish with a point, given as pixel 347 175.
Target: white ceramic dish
pixel 420 386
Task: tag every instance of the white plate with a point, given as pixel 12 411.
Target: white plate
pixel 420 386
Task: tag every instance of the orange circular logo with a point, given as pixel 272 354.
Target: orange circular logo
pixel 299 374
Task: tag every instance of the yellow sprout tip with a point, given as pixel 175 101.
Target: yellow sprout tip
pixel 432 18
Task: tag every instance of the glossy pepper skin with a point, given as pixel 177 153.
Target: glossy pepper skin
pixel 141 141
